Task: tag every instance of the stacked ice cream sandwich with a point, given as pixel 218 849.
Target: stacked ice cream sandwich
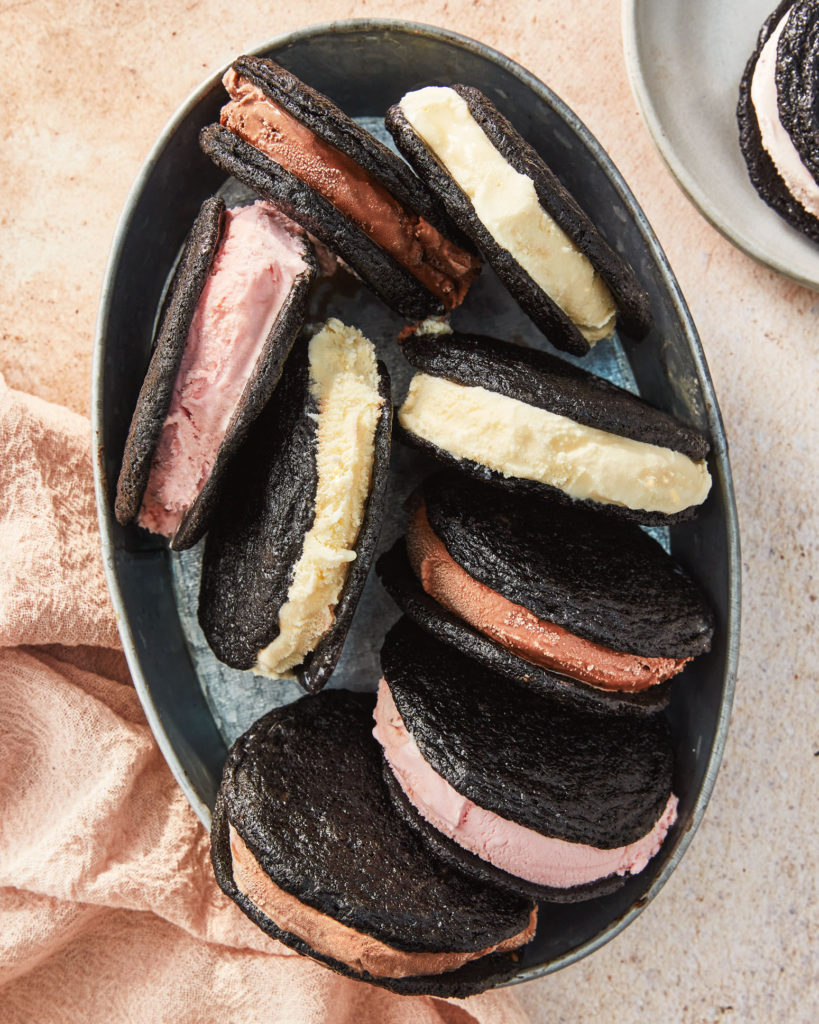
pixel 509 786
pixel 584 608
pixel 297 149
pixel 307 841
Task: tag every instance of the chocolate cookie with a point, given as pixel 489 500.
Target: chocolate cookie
pixel 292 145
pixel 797 67
pixel 154 445
pixel 257 557
pixel 761 169
pixel 305 837
pixel 467 197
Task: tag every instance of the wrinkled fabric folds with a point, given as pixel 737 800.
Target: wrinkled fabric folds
pixel 108 904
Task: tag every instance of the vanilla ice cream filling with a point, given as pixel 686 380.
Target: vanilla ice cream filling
pixel 344 383
pixel 775 139
pixel 520 440
pixel 506 203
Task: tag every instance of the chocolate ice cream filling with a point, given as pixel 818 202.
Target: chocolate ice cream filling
pixel 440 265
pixel 520 630
pixel 362 953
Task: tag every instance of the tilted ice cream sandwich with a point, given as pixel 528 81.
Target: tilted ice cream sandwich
pixel 501 194
pixel 513 787
pixel 307 842
pixel 235 306
pixel 532 422
pixel 777 114
pixel 293 146
pixel 291 542
pixel 531 588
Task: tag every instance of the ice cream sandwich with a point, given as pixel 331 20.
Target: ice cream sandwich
pixel 293 146
pixel 531 422
pixel 531 588
pixel 307 842
pixel 291 541
pixel 777 115
pixel 235 306
pixel 513 787
pixel 501 194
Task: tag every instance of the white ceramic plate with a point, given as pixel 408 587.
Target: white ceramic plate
pixel 685 61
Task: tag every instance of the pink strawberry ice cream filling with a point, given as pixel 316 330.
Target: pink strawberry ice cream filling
pixel 258 260
pixel 514 848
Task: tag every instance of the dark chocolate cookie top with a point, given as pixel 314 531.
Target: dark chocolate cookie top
pixel 797 80
pixel 550 383
pixel 600 578
pixel 304 789
pixel 602 780
pixel 761 169
pixel 257 532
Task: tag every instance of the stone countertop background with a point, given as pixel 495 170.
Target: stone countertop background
pixel 86 89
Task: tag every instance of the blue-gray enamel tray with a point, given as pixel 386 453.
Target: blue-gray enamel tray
pixel 195 705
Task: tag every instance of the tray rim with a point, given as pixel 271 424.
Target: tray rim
pixel 715 425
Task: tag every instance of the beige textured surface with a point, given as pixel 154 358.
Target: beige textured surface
pixel 88 86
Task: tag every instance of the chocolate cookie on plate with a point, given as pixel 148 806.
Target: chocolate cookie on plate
pixel 778 127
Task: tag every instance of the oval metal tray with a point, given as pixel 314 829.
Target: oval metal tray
pixel 193 704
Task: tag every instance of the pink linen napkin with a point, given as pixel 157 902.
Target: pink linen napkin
pixel 108 908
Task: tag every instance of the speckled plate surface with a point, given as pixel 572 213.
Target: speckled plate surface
pixel 685 61
pixel 195 705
